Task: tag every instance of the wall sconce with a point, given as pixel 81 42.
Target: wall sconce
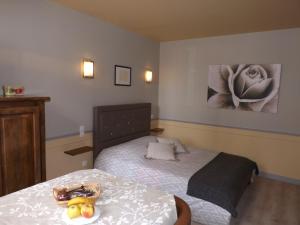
pixel 88 68
pixel 148 76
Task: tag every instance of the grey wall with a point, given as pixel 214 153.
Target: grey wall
pixel 184 72
pixel 41 47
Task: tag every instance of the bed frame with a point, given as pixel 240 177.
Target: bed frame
pixel 116 124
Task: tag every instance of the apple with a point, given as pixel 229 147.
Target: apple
pixel 87 210
pixel 18 90
pixel 73 211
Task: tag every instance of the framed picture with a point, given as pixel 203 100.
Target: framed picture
pixel 250 87
pixel 122 75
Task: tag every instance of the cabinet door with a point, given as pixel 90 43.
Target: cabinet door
pixel 1 180
pixel 20 148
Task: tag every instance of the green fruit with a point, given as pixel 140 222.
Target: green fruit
pixel 73 211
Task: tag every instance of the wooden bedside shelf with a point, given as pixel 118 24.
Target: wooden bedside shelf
pixel 78 151
pixel 157 130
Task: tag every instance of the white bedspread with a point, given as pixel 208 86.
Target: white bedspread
pixel 127 160
pixel 122 202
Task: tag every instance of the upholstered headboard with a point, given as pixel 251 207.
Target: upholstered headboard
pixel 115 124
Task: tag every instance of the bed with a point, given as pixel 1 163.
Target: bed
pixel 121 135
pixel 127 160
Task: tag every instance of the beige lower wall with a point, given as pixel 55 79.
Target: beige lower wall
pixel 276 154
pixel 58 163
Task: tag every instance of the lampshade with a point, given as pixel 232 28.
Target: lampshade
pixel 148 76
pixel 88 68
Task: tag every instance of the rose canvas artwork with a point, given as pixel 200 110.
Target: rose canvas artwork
pixel 251 87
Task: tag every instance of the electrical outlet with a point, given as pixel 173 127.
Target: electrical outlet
pixel 81 131
pixel 84 164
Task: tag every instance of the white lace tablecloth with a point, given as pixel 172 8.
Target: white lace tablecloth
pixel 121 202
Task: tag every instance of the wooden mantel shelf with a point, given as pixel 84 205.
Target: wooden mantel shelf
pixel 78 151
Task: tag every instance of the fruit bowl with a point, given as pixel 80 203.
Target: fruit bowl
pixel 63 194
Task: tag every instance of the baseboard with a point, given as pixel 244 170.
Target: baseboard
pixel 280 178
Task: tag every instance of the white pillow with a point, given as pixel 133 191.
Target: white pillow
pixel 179 148
pixel 160 151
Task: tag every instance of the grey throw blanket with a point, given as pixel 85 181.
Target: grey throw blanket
pixel 223 181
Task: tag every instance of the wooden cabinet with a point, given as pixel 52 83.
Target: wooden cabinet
pixel 22 142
